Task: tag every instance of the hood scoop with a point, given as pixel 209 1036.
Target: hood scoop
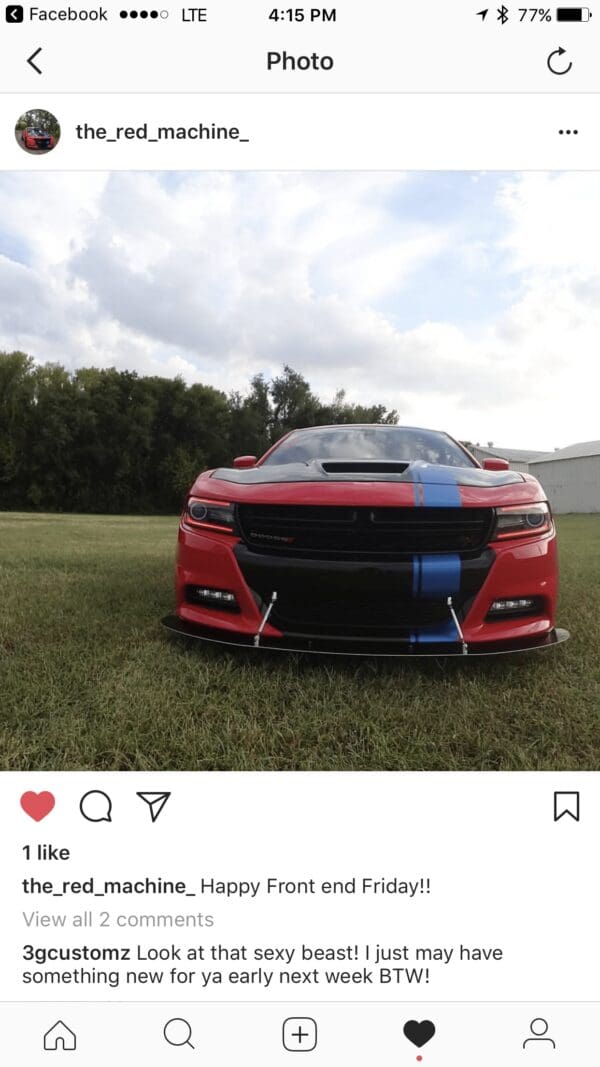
pixel 359 466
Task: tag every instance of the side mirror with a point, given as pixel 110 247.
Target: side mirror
pixel 495 465
pixel 241 462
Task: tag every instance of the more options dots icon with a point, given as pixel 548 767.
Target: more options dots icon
pixel 300 1034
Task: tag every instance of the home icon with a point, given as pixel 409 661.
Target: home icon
pixel 60 1037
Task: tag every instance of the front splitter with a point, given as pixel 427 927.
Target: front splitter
pixel 382 647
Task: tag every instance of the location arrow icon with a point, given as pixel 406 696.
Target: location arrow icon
pixel 155 801
pixel 482 14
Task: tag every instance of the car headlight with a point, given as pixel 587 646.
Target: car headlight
pixel 522 520
pixel 210 514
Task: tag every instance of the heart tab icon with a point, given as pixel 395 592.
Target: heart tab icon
pixel 419 1033
pixel 37 805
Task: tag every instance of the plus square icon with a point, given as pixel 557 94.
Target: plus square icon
pixel 14 13
pixel 299 1035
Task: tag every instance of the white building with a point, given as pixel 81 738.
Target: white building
pixel 518 458
pixel 571 477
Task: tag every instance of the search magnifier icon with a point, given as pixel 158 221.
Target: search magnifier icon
pixel 178 1032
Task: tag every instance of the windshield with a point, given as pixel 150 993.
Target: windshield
pixel 381 443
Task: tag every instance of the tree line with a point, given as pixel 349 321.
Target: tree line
pixel 40 120
pixel 111 441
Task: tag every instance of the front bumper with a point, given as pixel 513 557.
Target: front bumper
pixel 360 647
pixel 428 605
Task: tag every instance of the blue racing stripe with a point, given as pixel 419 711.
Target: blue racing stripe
pixel 417 577
pixel 436 576
pixel 444 493
pixel 439 576
pixel 445 631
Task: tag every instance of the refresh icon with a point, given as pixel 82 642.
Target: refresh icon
pixel 556 64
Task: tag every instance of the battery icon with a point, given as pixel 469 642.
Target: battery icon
pixel 573 14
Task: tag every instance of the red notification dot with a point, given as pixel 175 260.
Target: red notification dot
pixel 419 1058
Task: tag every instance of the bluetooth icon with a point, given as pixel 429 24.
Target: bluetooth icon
pixel 503 14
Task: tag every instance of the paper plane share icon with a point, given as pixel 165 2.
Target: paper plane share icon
pixel 155 802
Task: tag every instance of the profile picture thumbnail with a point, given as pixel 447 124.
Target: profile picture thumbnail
pixel 37 132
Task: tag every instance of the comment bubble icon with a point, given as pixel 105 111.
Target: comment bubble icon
pixel 96 806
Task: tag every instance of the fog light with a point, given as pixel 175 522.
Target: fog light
pixel 523 604
pixel 515 606
pixel 216 598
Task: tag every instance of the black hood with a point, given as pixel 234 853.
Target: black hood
pixel 368 471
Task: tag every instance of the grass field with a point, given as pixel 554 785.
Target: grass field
pixel 88 678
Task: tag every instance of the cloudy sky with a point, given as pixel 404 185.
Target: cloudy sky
pixel 469 302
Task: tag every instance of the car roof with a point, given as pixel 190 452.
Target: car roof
pixel 368 426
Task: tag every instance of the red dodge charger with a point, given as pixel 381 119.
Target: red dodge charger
pixel 35 138
pixel 368 539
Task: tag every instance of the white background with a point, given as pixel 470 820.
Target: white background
pixel 374 109
pixel 503 874
pixel 316 132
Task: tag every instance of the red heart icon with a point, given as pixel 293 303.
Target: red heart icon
pixel 37 805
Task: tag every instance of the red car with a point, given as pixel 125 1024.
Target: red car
pixel 32 137
pixel 371 539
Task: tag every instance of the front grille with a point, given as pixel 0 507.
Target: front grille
pixel 357 615
pixel 363 532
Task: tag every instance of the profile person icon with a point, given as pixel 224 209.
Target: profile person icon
pixel 539 1029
